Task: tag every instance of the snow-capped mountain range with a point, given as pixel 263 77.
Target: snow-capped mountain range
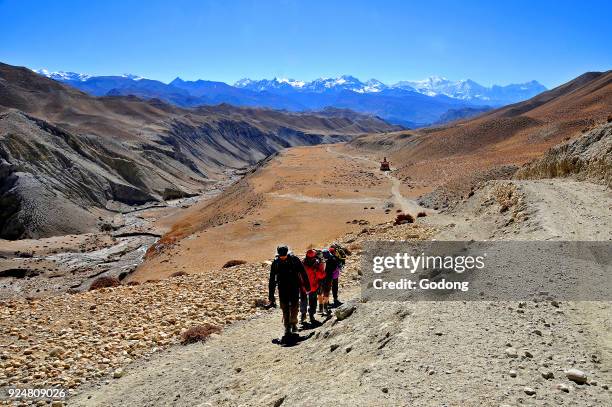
pixel 73 76
pixel 409 103
pixel 465 89
pixel 344 82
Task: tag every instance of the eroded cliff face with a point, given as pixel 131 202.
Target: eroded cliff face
pixel 588 157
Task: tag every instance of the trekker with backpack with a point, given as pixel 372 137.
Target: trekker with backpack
pixel 326 282
pixel 340 254
pixel 287 272
pixel 308 300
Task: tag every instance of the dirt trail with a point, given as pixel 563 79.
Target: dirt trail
pixel 554 209
pixel 571 209
pixel 405 204
pixel 340 201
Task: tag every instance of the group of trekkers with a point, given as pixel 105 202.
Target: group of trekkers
pixel 304 284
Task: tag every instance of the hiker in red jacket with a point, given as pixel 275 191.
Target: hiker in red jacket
pixel 308 300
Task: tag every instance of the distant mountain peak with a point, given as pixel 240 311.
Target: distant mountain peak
pixel 62 75
pixel 291 82
pixel 132 76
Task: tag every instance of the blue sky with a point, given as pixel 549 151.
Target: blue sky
pixel 488 41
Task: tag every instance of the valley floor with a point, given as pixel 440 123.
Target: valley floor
pixel 305 197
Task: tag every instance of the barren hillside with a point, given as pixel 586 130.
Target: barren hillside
pixel 459 155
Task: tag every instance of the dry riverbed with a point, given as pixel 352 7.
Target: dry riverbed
pixel 30 268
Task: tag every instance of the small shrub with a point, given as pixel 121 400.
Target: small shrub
pixel 402 218
pixel 421 214
pixel 179 274
pixel 106 227
pixel 152 280
pixel 233 263
pixel 199 333
pixel 260 303
pixel 133 283
pixel 104 282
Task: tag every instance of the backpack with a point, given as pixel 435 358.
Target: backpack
pixel 341 253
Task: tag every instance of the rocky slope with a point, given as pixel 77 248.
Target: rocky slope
pixel 588 157
pixel 65 155
pixel 84 337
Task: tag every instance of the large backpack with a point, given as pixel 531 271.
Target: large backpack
pixel 341 253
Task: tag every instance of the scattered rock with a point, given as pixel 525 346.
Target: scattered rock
pixel 345 311
pixel 279 401
pixel 548 375
pixel 513 373
pixel 563 387
pixel 511 352
pixel 576 375
pixel 118 373
pixel 530 391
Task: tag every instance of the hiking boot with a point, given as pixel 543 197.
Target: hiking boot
pixel 313 321
pixel 287 332
pixel 302 319
pixel 337 302
pixel 294 328
pixel 321 309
